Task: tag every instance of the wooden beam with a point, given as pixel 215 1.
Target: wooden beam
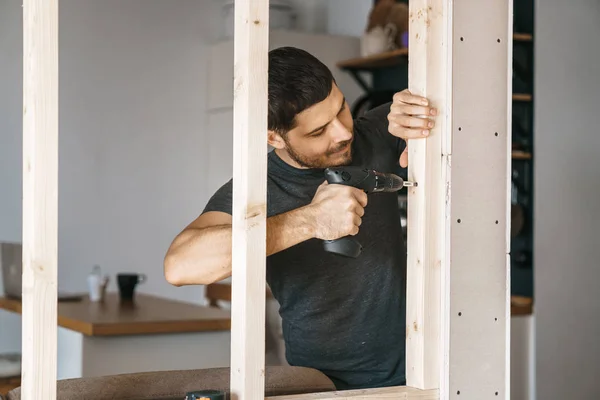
pixel 394 392
pixel 40 198
pixel 249 199
pixel 458 300
pixel 429 75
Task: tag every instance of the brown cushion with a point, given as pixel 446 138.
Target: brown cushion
pixel 161 385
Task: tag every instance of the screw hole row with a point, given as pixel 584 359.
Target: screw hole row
pixel 460 130
pixel 459 221
pixel 460 315
pixel 462 39
pixel 458 392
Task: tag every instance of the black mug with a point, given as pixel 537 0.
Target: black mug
pixel 127 284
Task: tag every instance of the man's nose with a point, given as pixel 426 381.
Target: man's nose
pixel 339 132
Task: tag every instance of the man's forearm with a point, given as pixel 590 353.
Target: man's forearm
pixel 288 229
pixel 199 256
pixel 203 255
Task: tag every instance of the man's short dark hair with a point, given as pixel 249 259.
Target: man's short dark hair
pixel 297 81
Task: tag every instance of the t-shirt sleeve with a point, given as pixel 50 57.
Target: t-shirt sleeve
pixel 221 200
pixel 377 122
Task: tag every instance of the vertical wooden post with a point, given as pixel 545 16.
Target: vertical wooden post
pixel 40 198
pixel 249 199
pixel 458 301
pixel 429 75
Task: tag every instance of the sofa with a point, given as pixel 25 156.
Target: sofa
pixel 172 385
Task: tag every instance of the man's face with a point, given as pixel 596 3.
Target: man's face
pixel 322 137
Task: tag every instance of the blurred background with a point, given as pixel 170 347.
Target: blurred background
pixel 146 112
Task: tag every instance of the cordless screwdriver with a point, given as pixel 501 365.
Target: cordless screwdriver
pixel 368 180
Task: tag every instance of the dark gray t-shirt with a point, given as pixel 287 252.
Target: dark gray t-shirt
pixel 342 316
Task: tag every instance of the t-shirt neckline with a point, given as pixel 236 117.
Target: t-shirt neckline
pixel 274 157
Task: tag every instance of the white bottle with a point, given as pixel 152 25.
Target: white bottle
pixel 95 284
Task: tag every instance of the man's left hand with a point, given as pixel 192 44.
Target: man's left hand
pixel 409 118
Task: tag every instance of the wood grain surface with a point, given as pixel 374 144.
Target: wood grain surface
pixel 146 315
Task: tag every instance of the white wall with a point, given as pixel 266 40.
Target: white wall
pixel 133 153
pixel 567 189
pixel 11 81
pixel 348 17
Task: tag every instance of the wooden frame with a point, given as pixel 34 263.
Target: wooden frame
pixel 458 301
pixel 40 198
pixel 249 208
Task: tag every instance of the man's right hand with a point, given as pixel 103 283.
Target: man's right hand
pixel 338 210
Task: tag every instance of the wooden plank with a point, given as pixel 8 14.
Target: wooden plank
pixel 430 73
pixel 40 198
pixel 251 44
pixel 394 392
pixel 480 200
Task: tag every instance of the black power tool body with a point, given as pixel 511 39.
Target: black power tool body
pixel 368 180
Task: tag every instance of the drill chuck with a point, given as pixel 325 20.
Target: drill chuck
pixel 368 180
pixel 387 182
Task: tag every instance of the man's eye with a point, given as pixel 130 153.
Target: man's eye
pixel 317 133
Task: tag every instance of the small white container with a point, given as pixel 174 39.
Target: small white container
pixel 95 287
pixel 281 16
pixel 96 284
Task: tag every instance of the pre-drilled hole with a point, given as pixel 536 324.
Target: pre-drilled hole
pixel 459 128
pixel 498 40
pixel 496 222
pixel 496 393
pixel 462 39
pixel 458 220
pixel 459 314
pixel 496 134
pixel 458 392
pixel 495 319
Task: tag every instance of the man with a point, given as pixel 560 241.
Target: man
pixel 344 317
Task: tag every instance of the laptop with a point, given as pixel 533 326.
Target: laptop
pixel 11 263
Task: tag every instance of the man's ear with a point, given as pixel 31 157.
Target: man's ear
pixel 275 140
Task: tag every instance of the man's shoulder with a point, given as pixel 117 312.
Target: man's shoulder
pixel 222 199
pixel 375 119
pixel 372 134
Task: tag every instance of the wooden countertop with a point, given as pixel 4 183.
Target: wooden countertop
pixel 151 315
pixel 147 315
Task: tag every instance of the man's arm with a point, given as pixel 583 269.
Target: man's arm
pixel 201 254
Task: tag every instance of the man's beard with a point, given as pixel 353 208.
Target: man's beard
pixel 323 161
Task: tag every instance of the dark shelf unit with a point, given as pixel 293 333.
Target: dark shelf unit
pixel 388 74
